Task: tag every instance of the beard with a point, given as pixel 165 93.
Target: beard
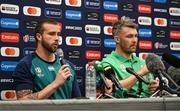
pixel 49 47
pixel 129 50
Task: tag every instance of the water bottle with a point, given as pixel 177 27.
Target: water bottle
pixel 90 81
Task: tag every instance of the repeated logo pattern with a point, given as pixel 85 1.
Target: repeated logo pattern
pixel 86 30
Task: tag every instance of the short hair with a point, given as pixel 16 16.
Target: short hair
pixel 117 26
pixel 39 27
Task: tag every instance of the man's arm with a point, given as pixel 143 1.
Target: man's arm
pixel 28 94
pixel 129 82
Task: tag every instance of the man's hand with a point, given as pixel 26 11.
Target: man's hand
pixel 143 71
pixel 109 91
pixel 153 85
pixel 62 75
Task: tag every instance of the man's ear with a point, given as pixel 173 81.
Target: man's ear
pixel 38 36
pixel 117 39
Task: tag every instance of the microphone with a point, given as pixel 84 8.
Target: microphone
pixel 154 63
pixel 156 66
pixel 100 70
pixel 171 60
pixel 174 73
pixel 110 74
pixel 140 78
pixel 60 54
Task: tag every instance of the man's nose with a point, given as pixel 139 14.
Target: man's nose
pixel 57 36
pixel 135 39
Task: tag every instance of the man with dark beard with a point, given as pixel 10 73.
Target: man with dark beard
pixel 40 75
pixel 126 38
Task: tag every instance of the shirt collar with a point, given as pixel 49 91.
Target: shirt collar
pixel 123 59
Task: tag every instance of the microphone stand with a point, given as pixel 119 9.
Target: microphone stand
pixel 103 94
pixel 140 89
pixel 104 86
pixel 163 89
pixel 140 79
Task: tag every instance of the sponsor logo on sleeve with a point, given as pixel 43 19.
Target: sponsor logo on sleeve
pixel 92 42
pixel 109 43
pixel 8 95
pixel 73 15
pixel 174 11
pixel 174 23
pixel 69 27
pixel 108 30
pixel 142 20
pixel 128 7
pixel 145 32
pixel 160 33
pixel 108 5
pixel 145 44
pixel 53 2
pixel 162 22
pixel 9 37
pixel 9 23
pixel 110 17
pixel 31 11
pixel 73 41
pixel 92 29
pixel 93 16
pixel 30 24
pixel 93 4
pixel 28 50
pixel 73 3
pixel 93 55
pixel 9 9
pixel 175 34
pixel 10 51
pixel 175 46
pixel 8 65
pixel 144 8
pixel 159 45
pixel 160 1
pixel 53 12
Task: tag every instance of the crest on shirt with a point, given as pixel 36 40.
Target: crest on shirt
pixel 38 71
pixel 122 67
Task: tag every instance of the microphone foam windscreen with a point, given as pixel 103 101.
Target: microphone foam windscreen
pixel 98 66
pixel 154 63
pixel 174 73
pixel 59 53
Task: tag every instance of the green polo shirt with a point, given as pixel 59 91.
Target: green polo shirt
pixel 119 64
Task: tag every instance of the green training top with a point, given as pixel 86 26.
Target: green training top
pixel 119 64
pixel 35 74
